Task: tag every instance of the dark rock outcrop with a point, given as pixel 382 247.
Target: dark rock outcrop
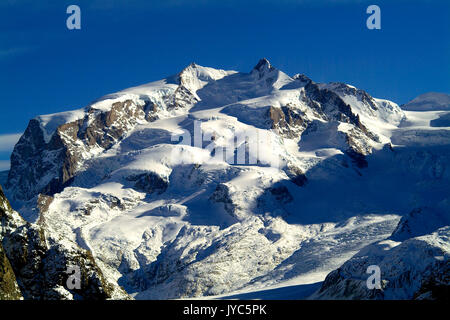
pixel 149 182
pixel 44 167
pixel 9 289
pixel 40 264
pixel 287 121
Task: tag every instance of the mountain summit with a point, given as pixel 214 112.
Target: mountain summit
pixel 263 65
pixel 430 101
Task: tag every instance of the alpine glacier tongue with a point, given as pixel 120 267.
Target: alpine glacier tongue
pixel 332 171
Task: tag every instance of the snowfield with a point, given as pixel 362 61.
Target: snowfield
pixel 135 179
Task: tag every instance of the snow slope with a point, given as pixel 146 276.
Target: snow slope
pixel 430 101
pixel 417 268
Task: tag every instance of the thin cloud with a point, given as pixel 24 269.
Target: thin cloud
pixel 4 165
pixel 6 53
pixel 8 141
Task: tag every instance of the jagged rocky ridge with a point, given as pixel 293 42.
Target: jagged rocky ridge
pixel 9 289
pixel 168 220
pixel 34 265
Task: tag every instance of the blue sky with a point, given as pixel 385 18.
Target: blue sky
pixel 46 68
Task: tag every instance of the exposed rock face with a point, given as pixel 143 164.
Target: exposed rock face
pixel 282 194
pixel 9 289
pixel 332 107
pixel 222 195
pixel 33 163
pixel 149 182
pixel 297 176
pixel 290 121
pixel 287 121
pixel 40 264
pixel 49 167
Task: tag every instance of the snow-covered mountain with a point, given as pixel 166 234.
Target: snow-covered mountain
pixel 212 182
pixel 431 101
pixel 417 267
pixel 33 264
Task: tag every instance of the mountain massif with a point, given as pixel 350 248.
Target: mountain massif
pixel 218 183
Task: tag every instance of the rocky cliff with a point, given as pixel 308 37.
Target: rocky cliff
pixel 35 266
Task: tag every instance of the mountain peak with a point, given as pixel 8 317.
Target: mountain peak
pixel 190 67
pixel 429 101
pixel 195 76
pixel 263 64
pixel 301 77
